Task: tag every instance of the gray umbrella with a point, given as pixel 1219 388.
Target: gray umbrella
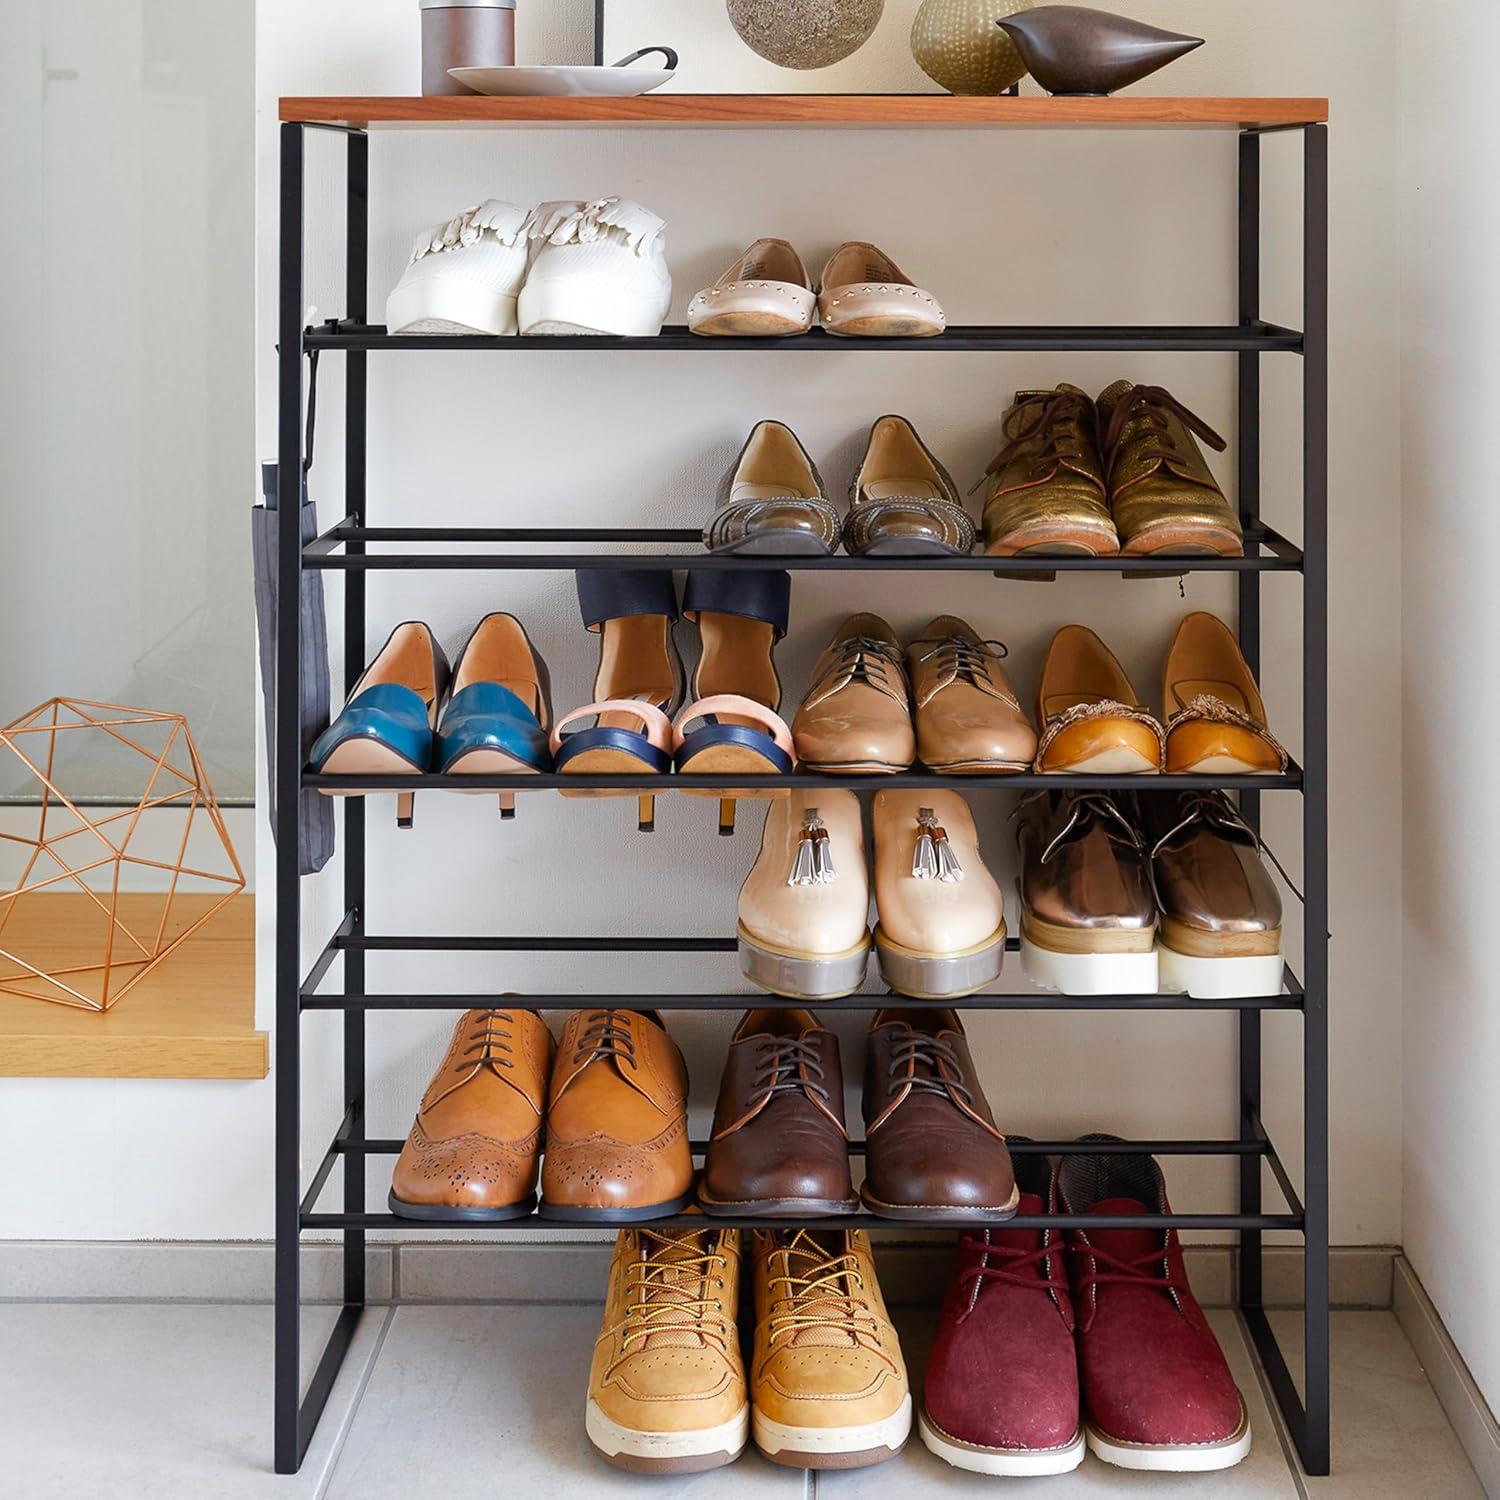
pixel 314 812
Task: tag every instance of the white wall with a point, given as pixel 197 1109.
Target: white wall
pixel 1006 227
pixel 1449 211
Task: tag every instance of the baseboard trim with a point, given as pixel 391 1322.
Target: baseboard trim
pixel 569 1268
pixel 1460 1398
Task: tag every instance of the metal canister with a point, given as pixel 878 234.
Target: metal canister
pixel 465 34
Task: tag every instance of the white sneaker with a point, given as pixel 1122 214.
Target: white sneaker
pixel 598 268
pixel 464 276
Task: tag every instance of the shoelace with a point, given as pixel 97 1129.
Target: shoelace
pixel 1152 1269
pixel 918 1051
pixel 1057 422
pixel 1086 807
pixel 780 1061
pixel 1014 1263
pixel 967 659
pixel 1153 403
pixel 665 1295
pixel 1214 808
pixel 605 1034
pixel 827 1292
pixel 491 1038
pixel 856 660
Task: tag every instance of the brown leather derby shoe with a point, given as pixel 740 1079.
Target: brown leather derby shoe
pixel 779 1144
pixel 473 1149
pixel 932 1150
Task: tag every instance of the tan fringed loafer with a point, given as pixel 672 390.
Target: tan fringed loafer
pixel 804 907
pixel 473 1150
pixel 969 720
pixel 766 293
pixel 942 917
pixel 856 717
pixel 1047 492
pixel 828 1386
pixel 617 1141
pixel 1216 722
pixel 865 294
pixel 1162 493
pixel 903 502
pixel 1091 720
pixel 667 1391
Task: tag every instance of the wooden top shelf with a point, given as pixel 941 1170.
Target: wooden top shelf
pixel 870 111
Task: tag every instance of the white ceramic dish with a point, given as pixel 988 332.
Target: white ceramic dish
pixel 595 82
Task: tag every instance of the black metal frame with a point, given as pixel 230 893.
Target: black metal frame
pixel 346 548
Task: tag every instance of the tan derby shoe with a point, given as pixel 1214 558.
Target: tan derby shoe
pixel 865 294
pixel 766 293
pixel 667 1383
pixel 1047 492
pixel 903 502
pixel 473 1149
pixel 617 1142
pixel 1162 493
pixel 942 917
pixel 804 908
pixel 1090 717
pixel 1216 721
pixel 856 716
pixel 828 1385
pixel 969 720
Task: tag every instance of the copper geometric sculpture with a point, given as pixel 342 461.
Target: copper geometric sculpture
pixel 105 853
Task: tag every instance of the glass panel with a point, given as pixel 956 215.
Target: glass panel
pixel 126 397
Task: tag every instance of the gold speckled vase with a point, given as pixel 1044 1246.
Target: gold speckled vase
pixel 958 44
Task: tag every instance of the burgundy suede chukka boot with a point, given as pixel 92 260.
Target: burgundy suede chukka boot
pixel 1156 1387
pixel 1001 1395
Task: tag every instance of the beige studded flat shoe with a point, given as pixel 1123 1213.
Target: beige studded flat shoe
pixel 766 293
pixel 865 294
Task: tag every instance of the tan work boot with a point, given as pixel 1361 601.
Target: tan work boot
pixel 667 1384
pixel 828 1382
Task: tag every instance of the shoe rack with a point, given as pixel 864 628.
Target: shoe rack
pixel 355 547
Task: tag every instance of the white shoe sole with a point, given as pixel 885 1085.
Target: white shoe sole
pixel 1221 978
pixel 833 1447
pixel 667 1452
pixel 576 306
pixel 1018 1463
pixel 449 305
pixel 1192 1458
pixel 1090 973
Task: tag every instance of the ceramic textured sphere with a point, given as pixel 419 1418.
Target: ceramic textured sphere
pixel 805 33
pixel 957 44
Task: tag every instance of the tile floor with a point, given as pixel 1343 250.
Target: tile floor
pixel 153 1402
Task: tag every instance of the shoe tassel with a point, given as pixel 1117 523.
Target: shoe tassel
pixel 934 858
pixel 813 863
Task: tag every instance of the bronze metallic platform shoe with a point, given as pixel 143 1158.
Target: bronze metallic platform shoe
pixel 1047 492
pixel 1162 493
pixel 1091 720
pixel 1220 932
pixel 1216 722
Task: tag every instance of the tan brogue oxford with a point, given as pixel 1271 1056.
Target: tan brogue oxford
pixel 617 1141
pixel 969 720
pixel 473 1149
pixel 856 716
pixel 804 908
pixel 942 917
pixel 828 1385
pixel 667 1383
